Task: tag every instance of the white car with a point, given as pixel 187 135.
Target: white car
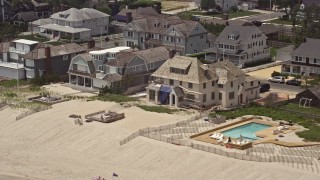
pixel 277 79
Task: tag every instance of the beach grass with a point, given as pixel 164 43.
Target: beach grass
pixel 158 109
pixel 115 98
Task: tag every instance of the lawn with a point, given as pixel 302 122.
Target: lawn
pixel 115 98
pixel 173 5
pixel 13 83
pixel 280 21
pixel 295 107
pixel 34 37
pixel 231 14
pixel 312 134
pixel 158 109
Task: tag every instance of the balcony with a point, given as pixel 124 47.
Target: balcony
pixel 18 51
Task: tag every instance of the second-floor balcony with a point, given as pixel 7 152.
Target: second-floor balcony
pixel 18 51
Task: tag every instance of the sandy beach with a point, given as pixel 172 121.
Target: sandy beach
pixel 48 145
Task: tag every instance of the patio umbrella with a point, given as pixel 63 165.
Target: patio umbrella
pixel 240 137
pixel 229 139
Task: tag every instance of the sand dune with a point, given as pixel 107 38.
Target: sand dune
pixel 48 145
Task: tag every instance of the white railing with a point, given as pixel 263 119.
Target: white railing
pixel 18 51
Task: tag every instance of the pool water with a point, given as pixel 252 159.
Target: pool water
pixel 247 131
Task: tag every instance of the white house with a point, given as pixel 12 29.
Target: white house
pixel 11 64
pixel 76 24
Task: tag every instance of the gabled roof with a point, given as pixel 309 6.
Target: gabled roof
pixel 316 91
pixel 157 25
pixel 148 55
pixel 245 33
pixel 27 16
pixel 74 14
pixel 60 50
pixel 310 48
pixel 196 72
pixel 139 12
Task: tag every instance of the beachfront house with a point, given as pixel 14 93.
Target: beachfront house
pixel 11 64
pixel 5 10
pixel 239 44
pixel 305 59
pixel 51 59
pixel 24 18
pixel 127 70
pixel 185 37
pixel 87 69
pixel 76 24
pixel 185 81
pixel 127 15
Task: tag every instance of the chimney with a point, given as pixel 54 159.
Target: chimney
pixel 172 53
pixel 47 52
pixel 129 17
pixel 91 44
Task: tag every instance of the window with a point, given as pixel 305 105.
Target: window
pixel 213 94
pixel 296 58
pixel 180 83
pixel 220 85
pixel 100 67
pixel 151 66
pixel 220 45
pixel 179 40
pixel 220 96
pixel 167 38
pixel 134 68
pixel 65 57
pixel 197 28
pixel 300 58
pixel 172 39
pixel 204 85
pixel 160 37
pixel 171 82
pixel 204 98
pixel 190 85
pixel 130 34
pixel 172 29
pixel 251 83
pixel 231 84
pixel 141 39
pixel 212 83
pixel 201 36
pixel 231 95
pixel 130 43
pixel 191 96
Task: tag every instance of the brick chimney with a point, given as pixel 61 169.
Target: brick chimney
pixel 91 44
pixel 129 17
pixel 172 53
pixel 47 52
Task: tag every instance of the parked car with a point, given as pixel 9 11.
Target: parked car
pixel 264 87
pixel 277 79
pixel 295 82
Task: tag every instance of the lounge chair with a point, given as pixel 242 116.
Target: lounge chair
pixel 220 140
pixel 213 135
pixel 220 137
pixel 226 141
pixel 280 128
pixel 217 136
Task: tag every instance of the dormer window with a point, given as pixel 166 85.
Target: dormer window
pixel 172 29
pixel 197 28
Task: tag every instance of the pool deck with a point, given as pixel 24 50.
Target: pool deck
pixel 266 135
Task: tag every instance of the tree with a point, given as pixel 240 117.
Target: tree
pixel 9 32
pixel 207 4
pixel 283 4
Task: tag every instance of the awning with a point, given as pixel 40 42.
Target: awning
pixel 165 88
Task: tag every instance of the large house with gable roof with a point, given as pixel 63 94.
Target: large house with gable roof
pixel 184 81
pixel 185 37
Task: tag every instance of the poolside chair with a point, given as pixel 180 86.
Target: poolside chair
pixel 285 127
pixel 238 142
pixel 226 141
pixel 220 136
pixel 217 136
pixel 213 135
pixel 220 140
pixel 280 128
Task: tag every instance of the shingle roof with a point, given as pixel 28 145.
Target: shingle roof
pixel 39 53
pixel 316 91
pixel 28 16
pixel 197 72
pixel 74 14
pixel 139 12
pixel 211 37
pixel 310 48
pixel 147 24
pixel 113 77
pixel 149 55
pixel 244 33
pixel 269 28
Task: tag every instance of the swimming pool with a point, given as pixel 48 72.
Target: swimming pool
pixel 247 131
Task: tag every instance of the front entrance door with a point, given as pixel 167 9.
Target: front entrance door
pixel 240 99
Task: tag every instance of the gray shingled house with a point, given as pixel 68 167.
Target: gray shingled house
pixel 186 37
pixel 50 59
pixel 184 81
pixel 128 70
pixel 239 44
pixel 305 59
